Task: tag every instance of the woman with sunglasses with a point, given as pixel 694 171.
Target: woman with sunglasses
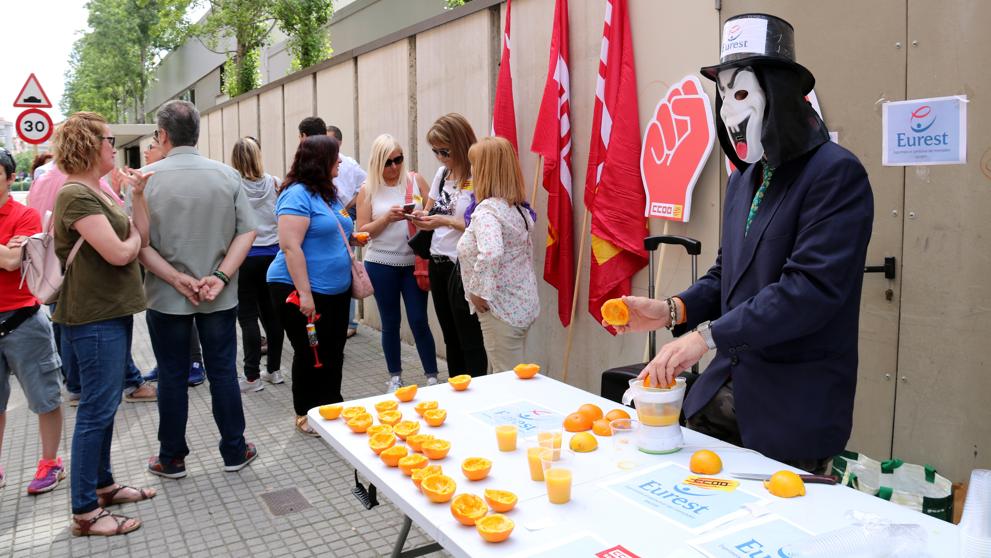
pixel 450 196
pixel 385 200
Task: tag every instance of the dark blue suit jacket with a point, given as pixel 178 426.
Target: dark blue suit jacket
pixel 784 302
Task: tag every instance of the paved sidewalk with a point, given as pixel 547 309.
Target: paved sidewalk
pixel 210 512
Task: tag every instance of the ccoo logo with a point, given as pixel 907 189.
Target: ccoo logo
pixel 733 33
pixel 922 119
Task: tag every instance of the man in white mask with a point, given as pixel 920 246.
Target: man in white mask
pixel 780 306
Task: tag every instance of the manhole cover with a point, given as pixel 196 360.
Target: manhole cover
pixel 285 501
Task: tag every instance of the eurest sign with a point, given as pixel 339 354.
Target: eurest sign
pixel 925 132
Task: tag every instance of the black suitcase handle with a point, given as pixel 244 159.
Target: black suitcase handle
pixel 692 246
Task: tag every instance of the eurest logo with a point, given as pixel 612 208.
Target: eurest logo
pixel 678 496
pixel 733 33
pixel 919 121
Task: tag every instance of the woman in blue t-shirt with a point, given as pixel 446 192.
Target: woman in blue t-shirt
pixel 313 262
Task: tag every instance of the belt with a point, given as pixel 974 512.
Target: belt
pixel 440 259
pixel 17 318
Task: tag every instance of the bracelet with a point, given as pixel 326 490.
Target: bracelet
pixel 222 276
pixel 672 311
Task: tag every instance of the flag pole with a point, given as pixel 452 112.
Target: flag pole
pixel 536 180
pixel 657 285
pixel 574 299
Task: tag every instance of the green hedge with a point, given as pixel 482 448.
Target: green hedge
pixel 20 186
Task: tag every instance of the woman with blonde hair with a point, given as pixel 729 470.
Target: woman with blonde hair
pixel 496 253
pixel 450 196
pixel 386 199
pixel 253 297
pixel 100 294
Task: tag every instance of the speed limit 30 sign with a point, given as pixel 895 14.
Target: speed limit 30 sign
pixel 34 126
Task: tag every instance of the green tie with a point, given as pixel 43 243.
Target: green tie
pixel 759 196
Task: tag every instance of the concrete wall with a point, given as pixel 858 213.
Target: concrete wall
pixel 337 102
pixel 298 103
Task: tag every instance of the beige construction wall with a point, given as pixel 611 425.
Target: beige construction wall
pixel 401 87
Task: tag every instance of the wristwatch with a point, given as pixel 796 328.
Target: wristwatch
pixel 705 330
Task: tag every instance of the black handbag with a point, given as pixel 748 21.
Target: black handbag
pixel 420 243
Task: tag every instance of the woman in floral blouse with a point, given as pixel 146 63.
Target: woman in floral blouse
pixel 496 253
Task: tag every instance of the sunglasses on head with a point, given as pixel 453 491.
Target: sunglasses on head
pixel 397 160
pixel 441 152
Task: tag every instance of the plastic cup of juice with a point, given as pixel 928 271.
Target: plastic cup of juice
pixel 506 437
pixel 557 466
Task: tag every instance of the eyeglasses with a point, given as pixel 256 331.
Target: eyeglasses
pixel 155 135
pixel 110 139
pixel 398 160
pixel 441 152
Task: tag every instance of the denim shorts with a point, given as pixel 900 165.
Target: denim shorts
pixel 29 353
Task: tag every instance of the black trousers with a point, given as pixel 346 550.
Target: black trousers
pixel 254 302
pixel 312 386
pixel 461 330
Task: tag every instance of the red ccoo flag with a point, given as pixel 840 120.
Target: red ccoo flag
pixel 504 113
pixel 552 140
pixel 613 190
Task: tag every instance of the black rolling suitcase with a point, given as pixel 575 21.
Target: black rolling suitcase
pixel 616 381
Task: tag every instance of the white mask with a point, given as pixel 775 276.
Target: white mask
pixel 743 111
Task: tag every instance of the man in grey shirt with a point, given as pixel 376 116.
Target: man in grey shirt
pixel 201 229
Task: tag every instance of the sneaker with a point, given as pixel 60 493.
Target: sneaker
pixel 47 477
pixel 432 380
pixel 273 377
pixel 249 455
pixel 175 469
pixel 72 398
pixel 151 376
pixel 145 392
pixel 196 374
pixel 394 383
pixel 246 385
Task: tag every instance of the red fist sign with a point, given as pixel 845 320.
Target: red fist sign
pixel 675 148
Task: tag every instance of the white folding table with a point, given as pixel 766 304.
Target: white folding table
pixel 597 510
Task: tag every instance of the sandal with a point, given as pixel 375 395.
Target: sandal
pixel 82 527
pixel 111 499
pixel 303 427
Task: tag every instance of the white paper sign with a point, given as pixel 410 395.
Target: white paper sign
pixel 925 132
pixel 744 35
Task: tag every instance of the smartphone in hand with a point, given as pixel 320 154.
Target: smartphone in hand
pixel 409 207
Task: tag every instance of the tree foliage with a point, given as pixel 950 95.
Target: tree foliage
pixel 246 24
pixel 111 65
pixel 451 4
pixel 303 21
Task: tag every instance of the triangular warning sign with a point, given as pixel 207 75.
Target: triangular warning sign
pixel 32 95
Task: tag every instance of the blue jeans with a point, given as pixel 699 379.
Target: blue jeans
pixel 218 337
pixel 99 351
pixel 390 283
pixel 132 374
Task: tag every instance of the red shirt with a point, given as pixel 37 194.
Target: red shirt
pixel 15 220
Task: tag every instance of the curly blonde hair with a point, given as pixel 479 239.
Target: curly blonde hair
pixel 78 141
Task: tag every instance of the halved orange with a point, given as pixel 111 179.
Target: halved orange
pixel 438 488
pixel 405 394
pixel 414 441
pixel 467 508
pixel 412 462
pixel 378 429
pixel 476 468
pixel 349 413
pixel 495 528
pixel 425 406
pixel 392 455
pixel 615 312
pixel 406 428
pixel 526 371
pixel 436 449
pixel 500 501
pixel 592 411
pixel 577 422
pixel 460 383
pixel 381 442
pixel 601 427
pixel 360 423
pixel 424 472
pixel 616 414
pixel 435 417
pixel 387 405
pixel 390 417
pixel 330 412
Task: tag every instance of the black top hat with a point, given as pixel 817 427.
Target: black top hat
pixel 756 39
